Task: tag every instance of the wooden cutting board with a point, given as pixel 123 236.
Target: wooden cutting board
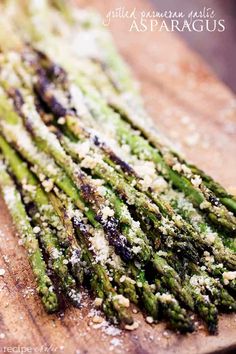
pixel 194 109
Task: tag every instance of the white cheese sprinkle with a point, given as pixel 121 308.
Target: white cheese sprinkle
pixel 122 300
pixel 2 271
pixel 149 319
pixel 36 229
pixel 106 212
pixel 227 276
pixel 132 327
pixel 196 181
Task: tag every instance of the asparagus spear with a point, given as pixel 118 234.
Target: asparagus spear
pixel 198 194
pixel 37 128
pixel 162 302
pixel 21 220
pixel 202 303
pixel 67 212
pixel 179 287
pixel 120 93
pixel 220 296
pixel 46 166
pixel 100 168
pixel 223 248
pixel 49 240
pixel 122 101
pixel 32 188
pixel 100 281
pixel 177 316
pixel 122 82
pixel 205 308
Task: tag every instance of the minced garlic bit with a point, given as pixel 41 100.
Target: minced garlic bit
pixel 61 120
pixel 122 278
pixel 123 301
pixel 210 237
pixel 186 170
pixel 177 167
pixel 100 245
pixel 107 212
pixel 132 327
pixel 227 276
pixel 196 181
pixel 159 184
pixel 36 229
pixel 48 185
pixel 83 148
pixel 166 297
pixel 97 319
pixel 90 161
pixel 98 302
pixel 2 271
pixel 149 319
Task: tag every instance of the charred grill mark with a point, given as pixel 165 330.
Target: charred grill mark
pixel 42 87
pixel 87 192
pixel 54 70
pixel 213 200
pixel 56 107
pixel 81 229
pixel 158 216
pixel 28 126
pixel 110 225
pixel 115 239
pixel 77 223
pixel 123 165
pixel 57 72
pixel 17 98
pixel 96 141
pixel 41 55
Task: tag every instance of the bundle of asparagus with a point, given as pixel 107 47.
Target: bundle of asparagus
pixel 98 196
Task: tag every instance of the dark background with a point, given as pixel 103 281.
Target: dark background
pixel 217 48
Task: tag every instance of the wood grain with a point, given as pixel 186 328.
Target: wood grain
pixel 187 102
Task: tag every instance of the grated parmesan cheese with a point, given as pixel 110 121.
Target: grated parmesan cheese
pixel 149 319
pixel 132 327
pixel 123 301
pixel 227 276
pixel 2 272
pixel 107 212
pixel 196 181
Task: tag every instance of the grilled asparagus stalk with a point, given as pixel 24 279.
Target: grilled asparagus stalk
pixel 27 233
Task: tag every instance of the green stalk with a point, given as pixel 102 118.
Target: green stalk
pixel 49 240
pixel 22 223
pixel 44 165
